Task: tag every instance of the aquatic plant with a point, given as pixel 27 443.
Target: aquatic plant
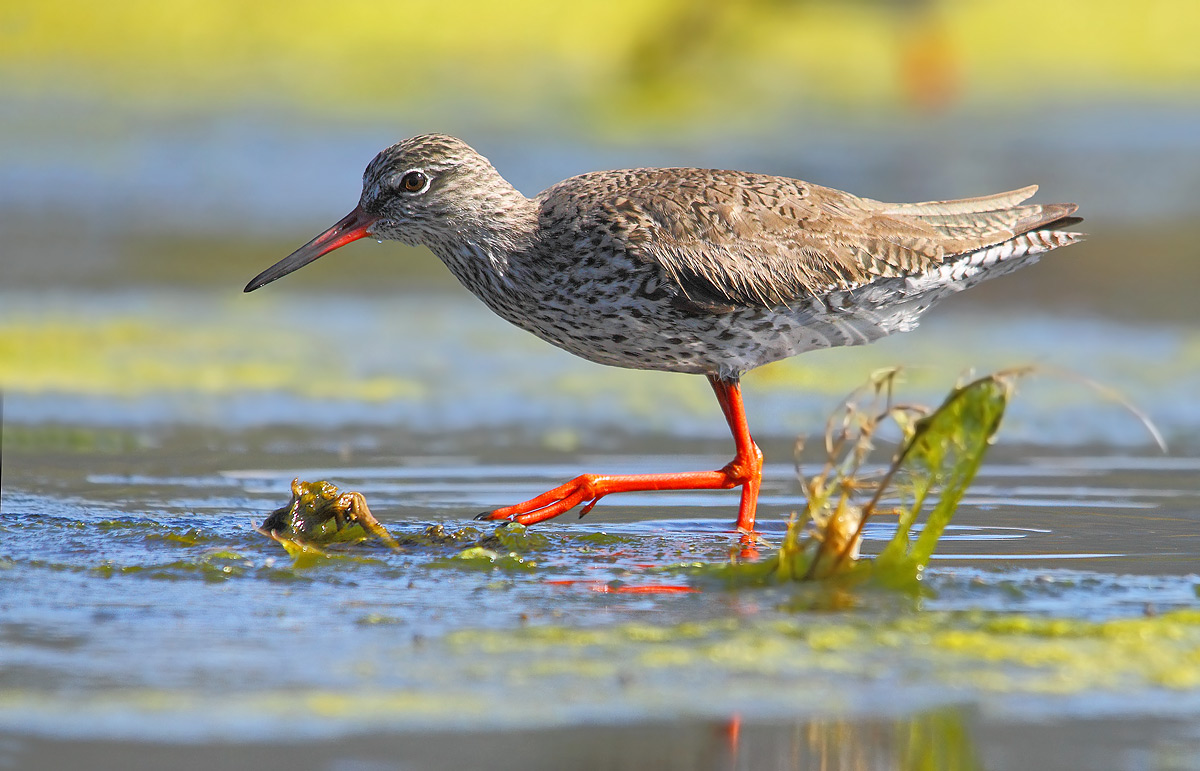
pixel 932 466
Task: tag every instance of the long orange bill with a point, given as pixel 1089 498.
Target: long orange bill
pixel 349 228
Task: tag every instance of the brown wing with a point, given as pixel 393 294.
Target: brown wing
pixel 730 239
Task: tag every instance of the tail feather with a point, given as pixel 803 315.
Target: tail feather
pixel 896 303
pixel 992 226
pixel 1006 237
pixel 984 203
pixel 968 225
pixel 1065 222
pixel 1049 215
pixel 993 261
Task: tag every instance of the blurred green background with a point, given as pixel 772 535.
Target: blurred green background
pixel 614 68
pixel 156 148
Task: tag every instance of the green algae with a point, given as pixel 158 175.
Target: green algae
pixel 82 440
pixel 601 539
pixel 233 350
pixel 214 566
pixel 374 619
pixel 128 524
pixel 968 650
pixel 319 514
pixel 514 537
pixel 438 535
pixel 484 559
pixel 153 531
pixel 134 355
pixel 190 537
pixel 306 555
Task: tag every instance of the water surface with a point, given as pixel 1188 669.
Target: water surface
pixel 139 605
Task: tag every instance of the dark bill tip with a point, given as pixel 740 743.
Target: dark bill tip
pixel 349 228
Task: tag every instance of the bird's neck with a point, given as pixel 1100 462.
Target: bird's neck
pixel 490 240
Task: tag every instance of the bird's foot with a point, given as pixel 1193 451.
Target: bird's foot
pixel 745 471
pixel 588 489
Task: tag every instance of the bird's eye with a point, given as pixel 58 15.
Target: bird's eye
pixel 414 181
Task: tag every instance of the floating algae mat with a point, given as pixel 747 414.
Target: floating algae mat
pixel 971 650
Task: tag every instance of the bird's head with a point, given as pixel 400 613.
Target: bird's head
pixel 424 191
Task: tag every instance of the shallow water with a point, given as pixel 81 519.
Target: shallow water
pixel 137 604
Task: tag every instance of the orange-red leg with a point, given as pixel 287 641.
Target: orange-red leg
pixel 745 471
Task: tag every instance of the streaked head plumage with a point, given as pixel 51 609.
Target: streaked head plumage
pixel 417 189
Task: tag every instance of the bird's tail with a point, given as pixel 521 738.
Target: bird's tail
pixel 1012 236
pixel 989 219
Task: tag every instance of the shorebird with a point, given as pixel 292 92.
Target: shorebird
pixel 700 271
